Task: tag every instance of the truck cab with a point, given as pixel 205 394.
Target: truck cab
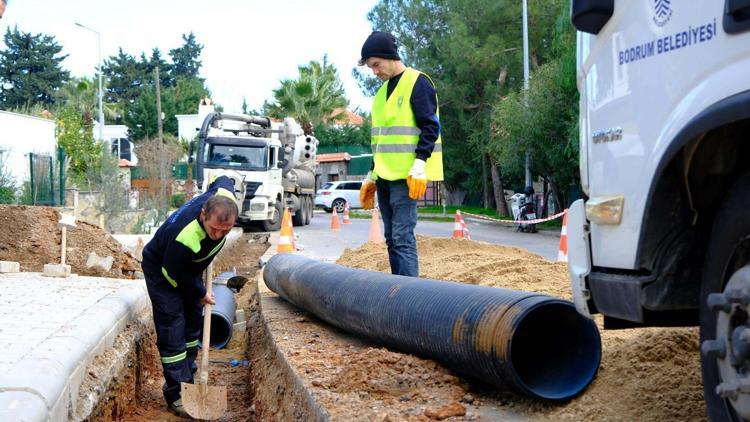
pixel 662 236
pixel 256 160
pixel 271 163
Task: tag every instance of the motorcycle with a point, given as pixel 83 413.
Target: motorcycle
pixel 526 211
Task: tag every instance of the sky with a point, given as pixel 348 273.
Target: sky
pixel 249 45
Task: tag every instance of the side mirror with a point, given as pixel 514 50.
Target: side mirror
pixel 591 15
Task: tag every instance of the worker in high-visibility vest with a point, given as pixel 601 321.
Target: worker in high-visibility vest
pixel 406 148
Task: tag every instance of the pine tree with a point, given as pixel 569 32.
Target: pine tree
pixel 186 61
pixel 30 70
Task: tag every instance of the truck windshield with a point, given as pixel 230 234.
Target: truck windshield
pixel 241 157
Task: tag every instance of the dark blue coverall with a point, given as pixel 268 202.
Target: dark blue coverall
pixel 173 264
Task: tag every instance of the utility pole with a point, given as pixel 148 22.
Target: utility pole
pixel 526 81
pixel 160 127
pixel 160 135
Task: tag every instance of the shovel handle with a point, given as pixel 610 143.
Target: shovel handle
pixel 206 327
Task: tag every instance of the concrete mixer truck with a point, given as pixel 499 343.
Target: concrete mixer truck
pixel 271 163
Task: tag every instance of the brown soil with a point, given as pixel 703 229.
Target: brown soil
pixel 645 374
pixel 30 236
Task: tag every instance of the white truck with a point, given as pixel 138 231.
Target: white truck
pixel 663 236
pixel 271 163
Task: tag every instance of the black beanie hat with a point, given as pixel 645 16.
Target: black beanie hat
pixel 379 44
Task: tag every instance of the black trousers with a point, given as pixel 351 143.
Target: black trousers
pixel 178 323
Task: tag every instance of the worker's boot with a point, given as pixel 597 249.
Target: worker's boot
pixel 177 408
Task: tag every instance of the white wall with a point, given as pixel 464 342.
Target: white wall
pixel 187 126
pixel 111 131
pixel 20 135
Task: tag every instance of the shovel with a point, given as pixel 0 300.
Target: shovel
pixel 202 401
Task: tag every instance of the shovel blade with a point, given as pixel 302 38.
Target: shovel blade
pixel 203 401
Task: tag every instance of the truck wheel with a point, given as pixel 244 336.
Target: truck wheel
pixel 275 223
pixel 308 210
pixel 298 219
pixel 725 310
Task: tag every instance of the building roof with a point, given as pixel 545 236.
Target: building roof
pixel 351 118
pixel 333 157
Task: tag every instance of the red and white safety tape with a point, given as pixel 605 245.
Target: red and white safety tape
pixel 496 220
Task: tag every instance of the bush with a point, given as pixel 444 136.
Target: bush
pixel 177 200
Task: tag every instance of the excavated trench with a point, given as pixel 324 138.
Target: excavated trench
pixel 124 383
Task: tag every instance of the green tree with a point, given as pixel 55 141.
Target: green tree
pixel 8 186
pixel 473 58
pixel 140 117
pixel 544 121
pixel 125 77
pixel 187 95
pixel 109 181
pixel 83 95
pixel 180 99
pixel 346 134
pixel 186 61
pixel 311 98
pixel 75 136
pixel 30 69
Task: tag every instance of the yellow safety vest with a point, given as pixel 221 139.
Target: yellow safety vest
pixel 395 133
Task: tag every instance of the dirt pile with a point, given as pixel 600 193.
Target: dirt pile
pixel 30 236
pixel 645 374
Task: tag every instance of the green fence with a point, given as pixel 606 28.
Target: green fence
pixel 46 184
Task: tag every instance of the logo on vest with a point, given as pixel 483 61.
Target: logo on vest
pixel 400 101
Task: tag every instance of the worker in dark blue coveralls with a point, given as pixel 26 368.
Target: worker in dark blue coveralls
pixel 173 262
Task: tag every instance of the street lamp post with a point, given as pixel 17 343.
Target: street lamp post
pixel 99 48
pixel 526 82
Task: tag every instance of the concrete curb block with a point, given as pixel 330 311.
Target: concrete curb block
pixel 22 406
pixel 45 384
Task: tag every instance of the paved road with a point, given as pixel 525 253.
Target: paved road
pixel 320 242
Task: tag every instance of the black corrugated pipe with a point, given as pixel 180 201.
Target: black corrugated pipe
pixel 532 343
pixel 222 313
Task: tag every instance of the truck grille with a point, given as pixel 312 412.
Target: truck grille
pixel 250 188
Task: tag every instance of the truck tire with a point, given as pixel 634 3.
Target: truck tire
pixel 308 209
pixel 298 219
pixel 275 223
pixel 725 308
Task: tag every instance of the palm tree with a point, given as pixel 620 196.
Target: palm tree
pixel 312 98
pixel 82 94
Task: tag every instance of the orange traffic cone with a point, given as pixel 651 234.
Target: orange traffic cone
pixel 562 251
pixel 375 233
pixel 286 235
pixel 460 230
pixel 291 228
pixel 346 214
pixel 335 221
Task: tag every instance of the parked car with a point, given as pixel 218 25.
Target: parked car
pixel 336 194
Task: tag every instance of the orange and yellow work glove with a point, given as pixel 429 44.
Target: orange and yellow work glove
pixel 367 191
pixel 417 180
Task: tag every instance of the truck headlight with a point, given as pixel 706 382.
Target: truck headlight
pixel 258 206
pixel 605 209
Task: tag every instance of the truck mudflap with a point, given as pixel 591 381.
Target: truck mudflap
pixel 579 256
